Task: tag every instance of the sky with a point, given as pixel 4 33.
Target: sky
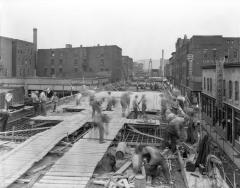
pixel 142 28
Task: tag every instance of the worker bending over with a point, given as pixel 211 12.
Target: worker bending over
pixel 154 161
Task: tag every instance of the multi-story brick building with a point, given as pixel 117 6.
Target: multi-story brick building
pixel 80 61
pixel 127 67
pixel 224 120
pixel 23 63
pixel 16 58
pixel 188 59
pixel 5 56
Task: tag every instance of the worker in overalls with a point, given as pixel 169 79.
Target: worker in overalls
pixel 135 107
pixel 35 100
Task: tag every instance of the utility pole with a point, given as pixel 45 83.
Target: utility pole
pixel 163 66
pixel 150 68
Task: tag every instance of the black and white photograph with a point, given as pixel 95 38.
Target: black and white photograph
pixel 119 94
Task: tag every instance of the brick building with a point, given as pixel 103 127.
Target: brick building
pixel 23 63
pixel 127 67
pixel 5 57
pixel 226 120
pixel 80 61
pixel 188 59
pixel 16 58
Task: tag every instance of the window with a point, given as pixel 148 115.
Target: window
pixel 52 71
pixel 210 87
pixel 207 84
pixel 52 62
pixel 75 69
pixel 230 89
pixel 60 61
pixel 52 53
pixel 235 54
pixel 224 88
pixel 204 83
pixel 60 70
pixel 236 90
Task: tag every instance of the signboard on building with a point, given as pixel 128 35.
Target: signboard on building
pixel 190 60
pixel 219 82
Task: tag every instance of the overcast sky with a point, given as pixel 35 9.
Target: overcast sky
pixel 142 28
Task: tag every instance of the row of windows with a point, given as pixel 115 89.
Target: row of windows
pixel 207 86
pixel 75 61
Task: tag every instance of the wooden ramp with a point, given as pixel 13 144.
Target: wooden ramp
pixel 76 167
pixel 22 158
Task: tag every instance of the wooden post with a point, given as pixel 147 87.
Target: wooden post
pixel 233 128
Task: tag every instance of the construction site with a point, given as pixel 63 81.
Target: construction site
pixel 65 147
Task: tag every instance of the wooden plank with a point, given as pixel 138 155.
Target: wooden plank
pixel 70 174
pixel 65 181
pixel 47 185
pixel 66 178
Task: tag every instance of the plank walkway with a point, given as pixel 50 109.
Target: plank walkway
pixel 76 167
pixel 19 160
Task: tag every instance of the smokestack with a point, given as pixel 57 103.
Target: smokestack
pixel 163 66
pixel 35 49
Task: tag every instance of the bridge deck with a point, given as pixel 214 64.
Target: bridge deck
pixel 76 167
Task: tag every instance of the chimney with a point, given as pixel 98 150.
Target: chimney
pixel 35 49
pixel 68 46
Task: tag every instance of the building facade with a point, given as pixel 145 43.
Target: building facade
pixel 127 67
pixel 226 119
pixel 23 63
pixel 16 58
pixel 80 61
pixel 188 58
pixel 5 57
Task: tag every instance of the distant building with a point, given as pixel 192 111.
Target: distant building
pixel 225 119
pixel 80 61
pixel 16 58
pixel 186 62
pixel 138 70
pixel 127 67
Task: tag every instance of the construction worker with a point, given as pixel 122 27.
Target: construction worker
pixel 176 131
pixel 135 107
pixel 154 161
pixel 78 99
pixel 97 119
pixel 109 102
pixel 43 101
pixel 163 106
pixel 4 114
pixel 125 102
pixel 35 100
pixel 144 105
pixel 54 101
